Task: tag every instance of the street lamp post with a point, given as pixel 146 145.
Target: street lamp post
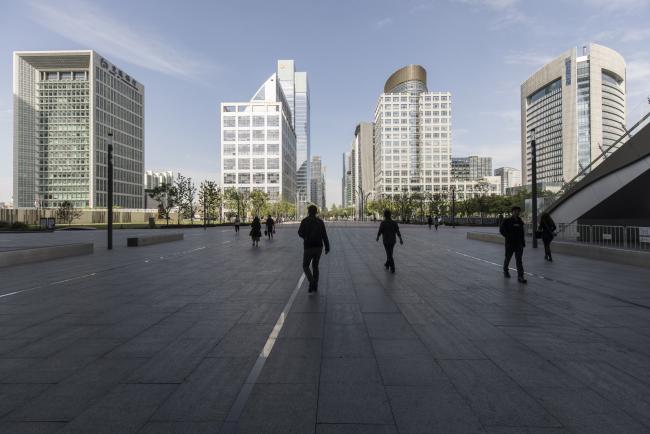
pixel 109 198
pixel 533 162
pixel 453 206
pixel 365 201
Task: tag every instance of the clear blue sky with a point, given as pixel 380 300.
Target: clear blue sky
pixel 191 55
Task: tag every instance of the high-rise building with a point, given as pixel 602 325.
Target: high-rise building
pixel 470 168
pixel 156 179
pixel 576 107
pixel 510 177
pixel 258 143
pixel 65 105
pixel 296 90
pixel 412 135
pixel 346 180
pixel 362 163
pixel 318 182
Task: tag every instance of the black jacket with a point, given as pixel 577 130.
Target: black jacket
pixel 389 229
pixel 312 231
pixel 548 230
pixel 512 229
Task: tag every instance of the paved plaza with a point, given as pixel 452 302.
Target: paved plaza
pixel 210 335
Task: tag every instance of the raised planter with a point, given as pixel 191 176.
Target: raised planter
pixel 39 254
pixel 619 256
pixel 147 240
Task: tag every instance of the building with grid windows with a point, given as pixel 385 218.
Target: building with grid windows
pixel 412 136
pixel 362 164
pixel 65 104
pixel 346 180
pixel 576 108
pixel 318 194
pixel 509 176
pixel 472 167
pixel 258 143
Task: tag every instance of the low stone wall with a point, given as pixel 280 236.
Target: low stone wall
pixel 88 216
pixel 39 254
pixel 619 256
pixel 147 240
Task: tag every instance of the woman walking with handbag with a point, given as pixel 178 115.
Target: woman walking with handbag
pixel 547 229
pixel 256 231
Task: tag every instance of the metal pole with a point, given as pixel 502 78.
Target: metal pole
pixel 453 206
pixel 109 198
pixel 533 157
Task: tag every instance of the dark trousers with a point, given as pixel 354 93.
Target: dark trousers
pixel 236 228
pixel 518 251
pixel 311 256
pixel 269 232
pixel 547 246
pixel 389 255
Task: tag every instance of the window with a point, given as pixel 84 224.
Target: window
pixel 229 108
pixel 244 149
pixel 258 148
pixel 273 135
pixel 229 178
pixel 273 163
pixel 229 122
pixel 245 121
pixel 229 136
pixel 258 134
pixel 258 121
pixel 258 163
pixel 244 164
pixel 273 121
pixel 274 178
pixel 244 136
pixel 258 178
pixel 244 178
pixel 229 164
pixel 273 148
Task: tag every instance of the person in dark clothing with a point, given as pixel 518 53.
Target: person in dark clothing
pixel 512 230
pixel 270 227
pixel 237 224
pixel 430 222
pixel 436 222
pixel 312 231
pixel 256 231
pixel 547 228
pixel 389 230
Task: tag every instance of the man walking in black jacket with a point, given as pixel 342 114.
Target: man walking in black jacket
pixel 512 230
pixel 389 230
pixel 312 231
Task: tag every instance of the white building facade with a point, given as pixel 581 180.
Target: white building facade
pixel 65 104
pixel 154 179
pixel 346 180
pixel 258 144
pixel 509 177
pixel 576 107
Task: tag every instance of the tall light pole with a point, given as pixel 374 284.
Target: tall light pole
pixel 533 163
pixel 361 194
pixel 365 201
pixel 453 206
pixel 109 195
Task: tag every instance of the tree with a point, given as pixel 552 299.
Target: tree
pixel 259 201
pixel 166 196
pixel 210 199
pixel 67 213
pixel 238 200
pixel 186 197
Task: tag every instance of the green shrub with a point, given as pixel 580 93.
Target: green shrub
pixel 19 226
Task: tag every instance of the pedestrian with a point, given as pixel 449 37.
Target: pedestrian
pixel 430 222
pixel 512 229
pixel 256 231
pixel 237 222
pixel 312 231
pixel 389 229
pixel 547 228
pixel 436 222
pixel 270 227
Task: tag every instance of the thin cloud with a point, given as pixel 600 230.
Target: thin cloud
pixel 527 58
pixel 507 11
pixel 97 29
pixel 384 22
pixel 624 6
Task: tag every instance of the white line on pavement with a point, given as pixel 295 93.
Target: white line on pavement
pixel 493 263
pixel 230 424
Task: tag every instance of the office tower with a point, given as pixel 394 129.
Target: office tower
pixel 412 136
pixel 156 179
pixel 296 90
pixel 510 177
pixel 346 180
pixel 471 168
pixel 318 182
pixel 65 104
pixel 460 168
pixel 362 163
pixel 576 106
pixel 258 143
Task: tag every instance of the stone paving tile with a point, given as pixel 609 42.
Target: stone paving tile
pixel 298 347
pixel 494 397
pixel 280 408
pixel 413 371
pixel 208 393
pixel 31 427
pixel 361 403
pixel 399 348
pixel 347 341
pixel 181 428
pixel 343 313
pixel 242 340
pixel 388 326
pixel 350 370
pixel 125 409
pixel 432 409
pixel 333 428
pixel 583 411
pixel 445 342
pixel 14 395
pixel 281 368
pixel 303 325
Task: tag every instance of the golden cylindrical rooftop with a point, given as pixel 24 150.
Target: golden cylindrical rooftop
pixel 407 73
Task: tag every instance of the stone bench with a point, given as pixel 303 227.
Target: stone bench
pixel 147 240
pixel 46 253
pixel 609 254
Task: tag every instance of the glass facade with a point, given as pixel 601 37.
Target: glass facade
pixel 544 115
pixel 583 116
pixel 613 109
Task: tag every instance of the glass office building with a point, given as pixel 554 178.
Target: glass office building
pixel 576 106
pixel 65 104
